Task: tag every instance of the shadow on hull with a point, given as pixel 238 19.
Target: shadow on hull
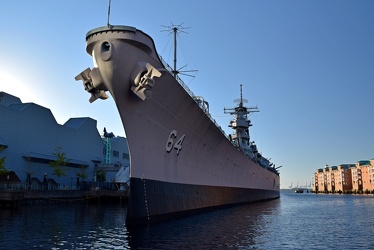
pixel 154 201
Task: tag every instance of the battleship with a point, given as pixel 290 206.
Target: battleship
pixel 181 161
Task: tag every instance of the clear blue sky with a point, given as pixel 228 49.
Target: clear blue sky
pixel 308 65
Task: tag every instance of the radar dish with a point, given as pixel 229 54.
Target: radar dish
pixel 240 101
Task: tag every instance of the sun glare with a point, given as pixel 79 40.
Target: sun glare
pixel 10 84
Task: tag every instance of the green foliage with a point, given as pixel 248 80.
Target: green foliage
pixel 82 174
pixel 3 170
pixel 59 165
pixel 101 175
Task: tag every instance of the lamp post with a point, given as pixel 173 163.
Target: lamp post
pixel 45 181
pixel 28 181
pixel 8 177
pixel 28 176
pixel 78 183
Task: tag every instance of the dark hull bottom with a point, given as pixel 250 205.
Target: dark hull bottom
pixel 152 201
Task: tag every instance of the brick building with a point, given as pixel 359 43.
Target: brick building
pixel 357 177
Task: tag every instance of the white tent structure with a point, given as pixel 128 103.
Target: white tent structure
pixel 122 178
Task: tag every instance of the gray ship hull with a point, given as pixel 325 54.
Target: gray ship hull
pixel 180 161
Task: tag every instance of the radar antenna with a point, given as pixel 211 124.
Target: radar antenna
pixel 241 100
pixel 175 30
pixel 241 106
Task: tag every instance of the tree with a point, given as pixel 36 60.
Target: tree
pixel 82 173
pixel 101 175
pixel 3 170
pixel 59 165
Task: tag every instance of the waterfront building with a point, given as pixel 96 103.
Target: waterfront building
pixel 371 173
pixel 344 180
pixel 318 180
pixel 366 175
pixel 314 182
pixel 31 138
pixel 357 177
pixel 320 183
pixel 332 178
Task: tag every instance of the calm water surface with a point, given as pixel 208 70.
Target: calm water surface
pixel 295 221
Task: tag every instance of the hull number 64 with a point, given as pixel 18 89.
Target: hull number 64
pixel 173 143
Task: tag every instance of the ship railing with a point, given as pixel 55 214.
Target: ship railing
pixel 180 81
pixel 167 66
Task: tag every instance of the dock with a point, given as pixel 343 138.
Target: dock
pixel 15 198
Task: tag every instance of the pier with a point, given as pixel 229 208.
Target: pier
pixel 15 198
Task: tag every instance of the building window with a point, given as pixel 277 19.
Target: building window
pixel 125 156
pixel 115 153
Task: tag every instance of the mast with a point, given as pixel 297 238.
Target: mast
pixel 176 29
pixel 175 71
pixel 108 24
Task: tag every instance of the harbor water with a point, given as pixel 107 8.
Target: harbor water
pixel 295 221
